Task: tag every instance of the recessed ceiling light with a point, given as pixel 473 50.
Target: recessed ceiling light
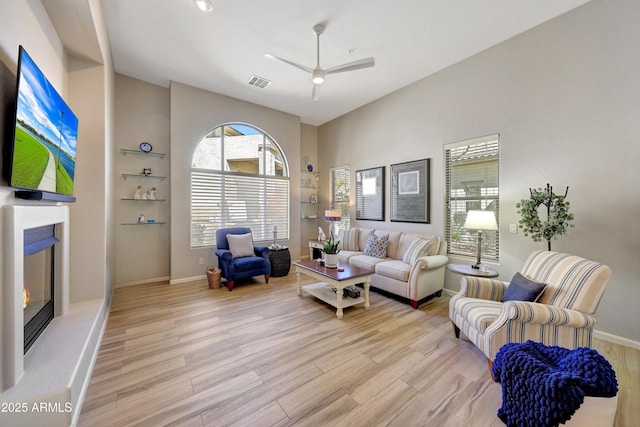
pixel 203 5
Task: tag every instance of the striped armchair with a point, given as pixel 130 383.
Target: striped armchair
pixel 563 315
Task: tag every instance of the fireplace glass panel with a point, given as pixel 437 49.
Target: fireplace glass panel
pixel 37 282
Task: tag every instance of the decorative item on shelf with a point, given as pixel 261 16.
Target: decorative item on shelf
pixel 146 171
pixel 310 167
pixel 138 194
pixel 313 199
pixel 146 147
pixel 152 194
pixel 146 195
pixel 141 218
pixel 333 216
pixel 151 221
pixel 330 249
pixel 321 235
pixel 480 220
pixel 558 216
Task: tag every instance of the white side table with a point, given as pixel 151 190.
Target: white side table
pixel 315 244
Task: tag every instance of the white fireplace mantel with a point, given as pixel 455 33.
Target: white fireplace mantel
pixel 18 218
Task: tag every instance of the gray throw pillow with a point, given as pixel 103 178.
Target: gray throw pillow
pixel 523 289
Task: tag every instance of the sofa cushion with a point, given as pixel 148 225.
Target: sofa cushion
pixel 395 269
pixel 364 261
pixel 377 245
pixel 345 256
pixel 363 235
pixel 348 239
pixel 240 245
pixel 394 240
pixel 418 248
pixel 523 289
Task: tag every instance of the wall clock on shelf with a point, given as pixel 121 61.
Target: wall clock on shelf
pixel 146 147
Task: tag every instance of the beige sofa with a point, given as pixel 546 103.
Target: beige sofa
pixel 423 278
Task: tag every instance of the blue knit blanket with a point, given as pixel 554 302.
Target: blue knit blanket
pixel 544 385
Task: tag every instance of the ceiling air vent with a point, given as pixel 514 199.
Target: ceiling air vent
pixel 259 82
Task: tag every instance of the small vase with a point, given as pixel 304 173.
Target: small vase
pixel 331 260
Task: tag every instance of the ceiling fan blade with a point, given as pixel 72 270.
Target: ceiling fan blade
pixel 315 92
pixel 350 66
pixel 302 67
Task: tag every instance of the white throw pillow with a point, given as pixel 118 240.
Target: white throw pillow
pixel 240 245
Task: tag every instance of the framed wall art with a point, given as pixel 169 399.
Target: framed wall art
pixel 410 191
pixel 370 194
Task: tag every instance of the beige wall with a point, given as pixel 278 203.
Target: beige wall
pixel 193 113
pixel 566 100
pixel 85 87
pixel 141 114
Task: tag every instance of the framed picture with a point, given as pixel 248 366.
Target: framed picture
pixel 410 191
pixel 370 194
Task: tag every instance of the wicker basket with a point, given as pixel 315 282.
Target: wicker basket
pixel 213 276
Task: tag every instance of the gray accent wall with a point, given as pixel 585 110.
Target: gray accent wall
pixel 565 98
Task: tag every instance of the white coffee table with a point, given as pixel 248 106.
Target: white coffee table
pixel 333 278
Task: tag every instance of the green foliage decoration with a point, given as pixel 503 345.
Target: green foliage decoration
pixel 558 216
pixel 331 245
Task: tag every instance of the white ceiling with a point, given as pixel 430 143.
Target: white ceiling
pixel 159 41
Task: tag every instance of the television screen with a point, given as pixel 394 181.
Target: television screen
pixel 46 130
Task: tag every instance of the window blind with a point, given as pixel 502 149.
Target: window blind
pixel 220 200
pixel 472 183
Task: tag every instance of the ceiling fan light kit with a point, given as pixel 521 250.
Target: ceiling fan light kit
pixel 318 74
pixel 203 5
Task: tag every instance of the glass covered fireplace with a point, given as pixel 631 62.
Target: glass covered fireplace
pixel 39 279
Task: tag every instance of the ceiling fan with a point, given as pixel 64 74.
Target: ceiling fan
pixel 318 74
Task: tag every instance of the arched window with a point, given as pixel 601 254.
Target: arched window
pixel 239 178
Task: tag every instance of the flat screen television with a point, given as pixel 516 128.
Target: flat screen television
pixel 43 156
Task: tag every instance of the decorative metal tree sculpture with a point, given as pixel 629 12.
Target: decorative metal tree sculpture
pixel 558 216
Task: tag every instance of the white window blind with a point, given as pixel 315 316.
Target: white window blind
pixel 472 183
pixel 340 192
pixel 252 190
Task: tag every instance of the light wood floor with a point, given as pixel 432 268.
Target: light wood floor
pixel 186 355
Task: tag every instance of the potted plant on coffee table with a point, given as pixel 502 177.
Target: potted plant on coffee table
pixel 330 249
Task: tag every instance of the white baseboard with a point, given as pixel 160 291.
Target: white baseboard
pixel 187 279
pixel 604 336
pixel 449 292
pixel 142 282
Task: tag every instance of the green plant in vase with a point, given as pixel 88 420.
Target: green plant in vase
pixel 330 249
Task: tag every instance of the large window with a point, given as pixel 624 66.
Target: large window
pixel 472 183
pixel 340 188
pixel 239 178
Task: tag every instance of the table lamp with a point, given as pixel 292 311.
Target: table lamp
pixel 480 220
pixel 333 216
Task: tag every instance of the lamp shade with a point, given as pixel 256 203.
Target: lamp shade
pixel 481 220
pixel 332 215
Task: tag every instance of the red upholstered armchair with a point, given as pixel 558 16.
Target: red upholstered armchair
pixel 241 267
